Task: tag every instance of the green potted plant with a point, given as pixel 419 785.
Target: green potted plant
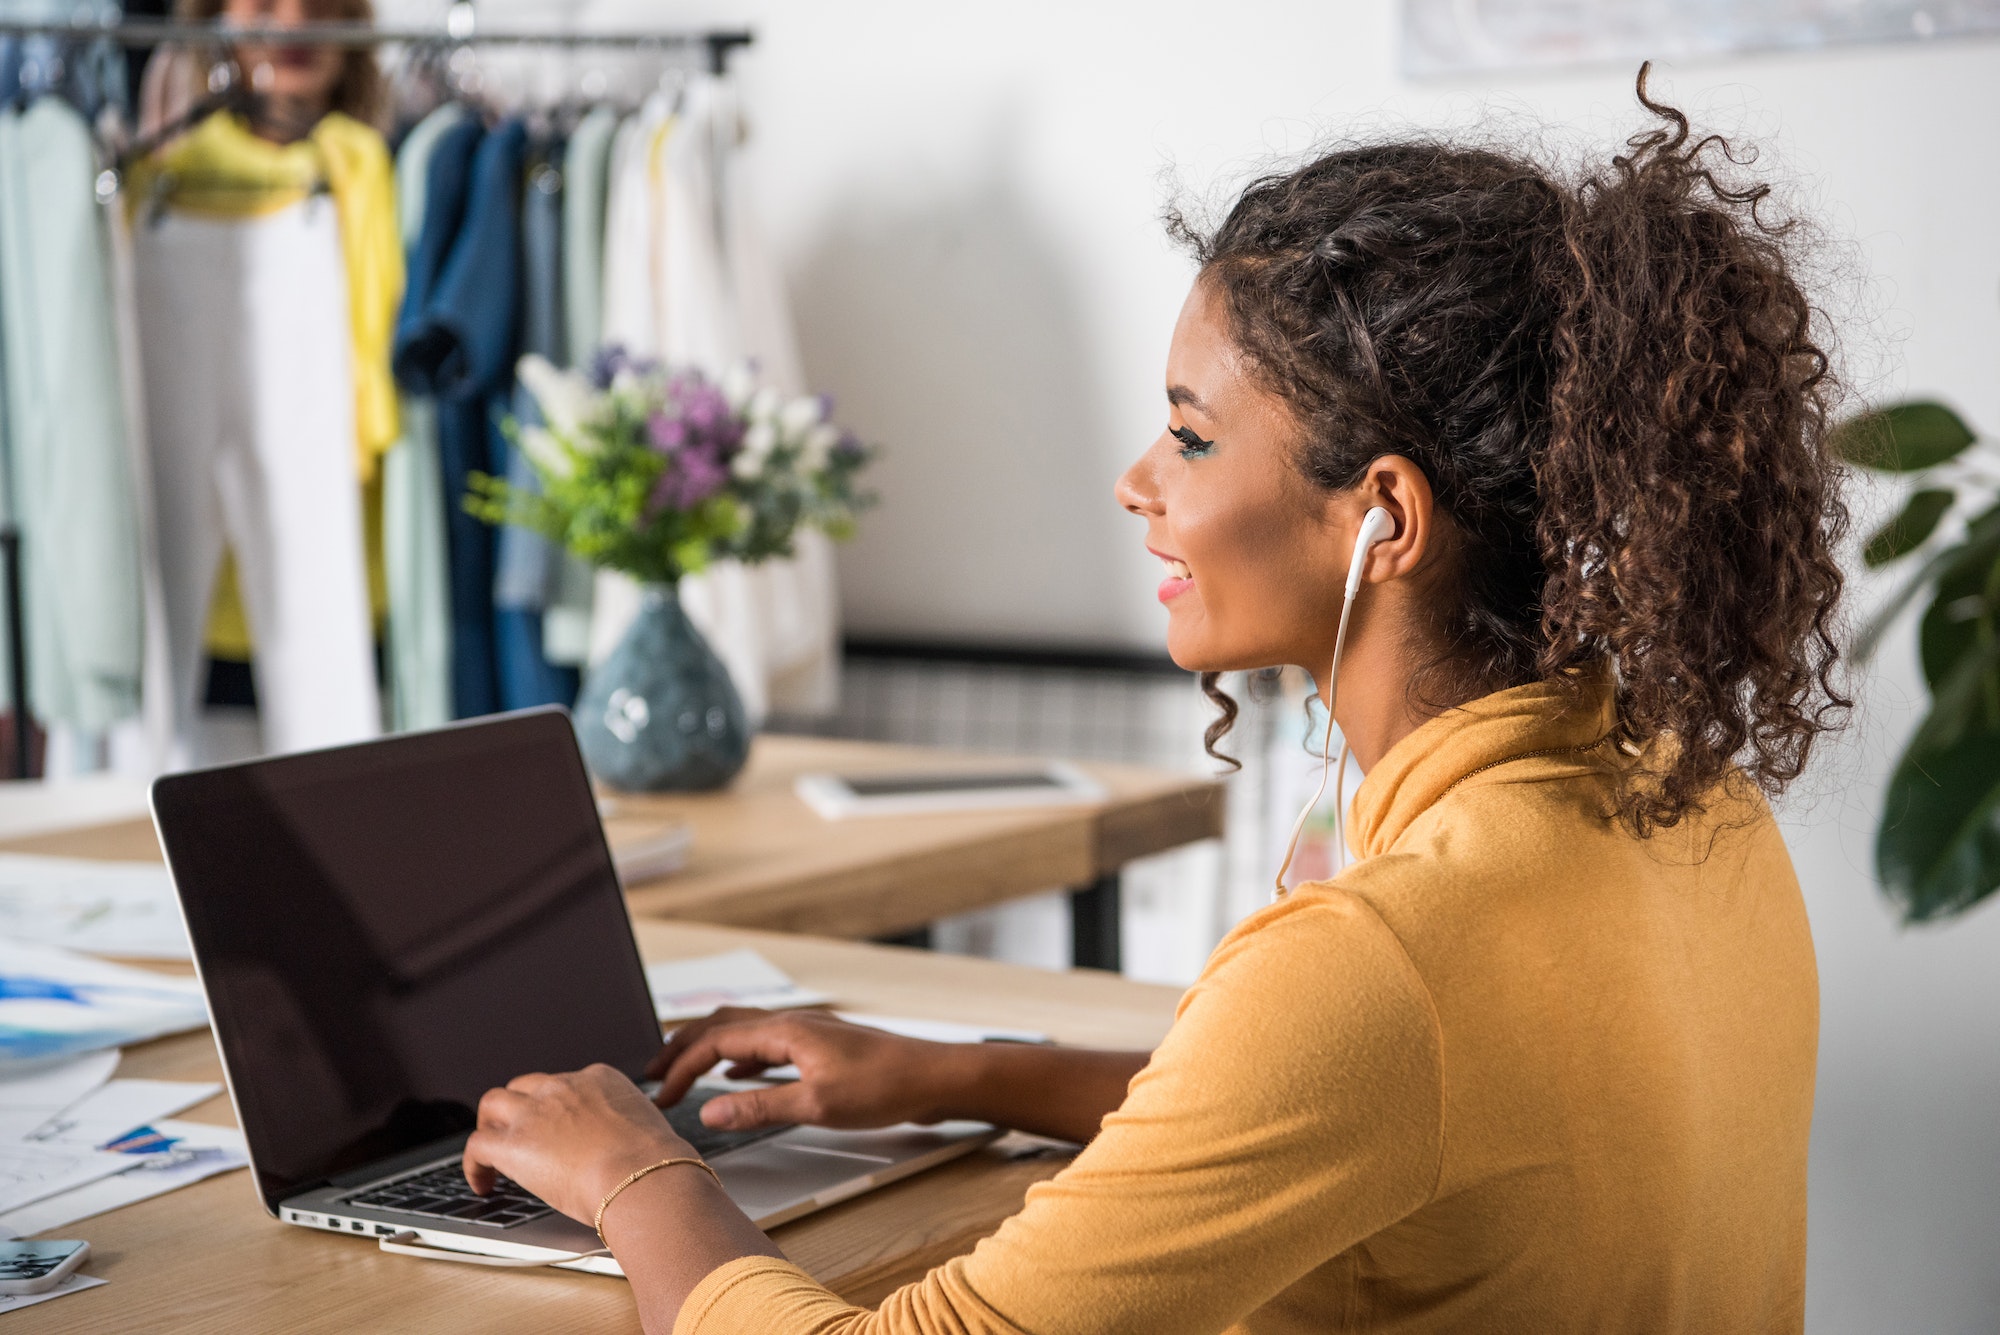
pixel 656 472
pixel 1938 849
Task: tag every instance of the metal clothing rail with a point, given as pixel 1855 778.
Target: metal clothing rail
pixel 459 30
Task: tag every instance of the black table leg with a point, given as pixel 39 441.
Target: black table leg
pixel 1093 925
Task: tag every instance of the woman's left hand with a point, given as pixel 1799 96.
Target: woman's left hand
pixel 569 1138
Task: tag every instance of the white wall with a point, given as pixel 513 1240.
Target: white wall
pixel 965 200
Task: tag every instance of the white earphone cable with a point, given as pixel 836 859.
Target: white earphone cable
pixel 1375 525
pixel 1325 753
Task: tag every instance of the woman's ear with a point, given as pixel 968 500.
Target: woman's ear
pixel 1398 486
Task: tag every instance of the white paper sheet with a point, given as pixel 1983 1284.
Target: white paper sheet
pixel 14 1302
pixel 687 989
pixel 103 908
pixel 104 1115
pixel 197 1151
pixel 29 1173
pixel 55 1003
pixel 35 1093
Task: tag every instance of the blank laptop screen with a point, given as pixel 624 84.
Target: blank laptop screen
pixel 387 931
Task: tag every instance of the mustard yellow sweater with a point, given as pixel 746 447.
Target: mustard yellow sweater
pixel 1514 1071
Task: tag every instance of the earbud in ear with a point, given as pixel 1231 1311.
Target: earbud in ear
pixel 1375 526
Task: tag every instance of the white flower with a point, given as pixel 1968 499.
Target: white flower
pixel 746 466
pixel 800 416
pixel 546 452
pixel 764 405
pixel 566 398
pixel 758 442
pixel 738 383
pixel 818 447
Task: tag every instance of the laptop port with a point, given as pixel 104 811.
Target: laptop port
pixel 383 1230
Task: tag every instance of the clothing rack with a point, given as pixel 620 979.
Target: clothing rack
pixel 460 30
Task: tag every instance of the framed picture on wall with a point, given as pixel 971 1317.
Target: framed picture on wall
pixel 1443 37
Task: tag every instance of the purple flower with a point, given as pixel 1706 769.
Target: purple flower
pixel 667 434
pixel 612 358
pixel 605 364
pixel 690 478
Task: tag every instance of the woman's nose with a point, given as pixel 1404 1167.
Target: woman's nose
pixel 1136 490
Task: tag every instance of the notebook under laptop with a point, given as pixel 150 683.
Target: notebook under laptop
pixel 385 931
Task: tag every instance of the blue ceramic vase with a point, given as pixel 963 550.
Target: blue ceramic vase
pixel 660 714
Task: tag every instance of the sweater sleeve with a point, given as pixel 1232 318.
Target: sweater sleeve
pixel 1293 1110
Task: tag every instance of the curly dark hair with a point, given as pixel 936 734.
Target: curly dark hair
pixel 1614 387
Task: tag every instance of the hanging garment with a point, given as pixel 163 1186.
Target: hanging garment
pixel 457 341
pixel 586 167
pixel 774 625
pixel 221 169
pixel 526 562
pixel 798 603
pixel 71 480
pixel 141 749
pixel 586 178
pixel 247 351
pixel 415 559
pixel 627 306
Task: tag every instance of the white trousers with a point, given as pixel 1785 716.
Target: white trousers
pixel 249 391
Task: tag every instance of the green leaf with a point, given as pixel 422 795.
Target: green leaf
pixel 1907 531
pixel 1951 627
pixel 1961 698
pixel 1901 438
pixel 1938 851
pixel 1980 549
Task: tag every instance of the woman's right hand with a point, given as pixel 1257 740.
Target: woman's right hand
pixel 851 1077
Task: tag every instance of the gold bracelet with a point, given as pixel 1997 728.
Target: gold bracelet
pixel 612 1194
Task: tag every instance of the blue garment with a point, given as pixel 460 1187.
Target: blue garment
pixel 430 357
pixel 87 75
pixel 457 340
pixel 526 560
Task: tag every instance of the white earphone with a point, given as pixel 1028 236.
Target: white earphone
pixel 1375 526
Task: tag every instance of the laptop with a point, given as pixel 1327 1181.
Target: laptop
pixel 385 931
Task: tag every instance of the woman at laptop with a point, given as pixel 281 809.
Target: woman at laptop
pixel 1541 1059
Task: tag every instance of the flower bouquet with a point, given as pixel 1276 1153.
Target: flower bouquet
pixel 658 473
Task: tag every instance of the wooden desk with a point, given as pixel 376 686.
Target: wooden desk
pixel 207 1258
pixel 762 859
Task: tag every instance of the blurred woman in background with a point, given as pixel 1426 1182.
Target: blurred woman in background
pixel 268 276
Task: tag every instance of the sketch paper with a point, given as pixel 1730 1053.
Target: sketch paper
pixel 103 908
pixel 176 1154
pixel 38 1091
pixel 29 1172
pixel 55 1003
pixel 107 1114
pixel 76 1283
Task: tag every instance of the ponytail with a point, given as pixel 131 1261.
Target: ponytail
pixel 1688 502
pixel 1614 389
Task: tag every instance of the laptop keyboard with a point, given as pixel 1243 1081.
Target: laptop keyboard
pixel 441 1193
